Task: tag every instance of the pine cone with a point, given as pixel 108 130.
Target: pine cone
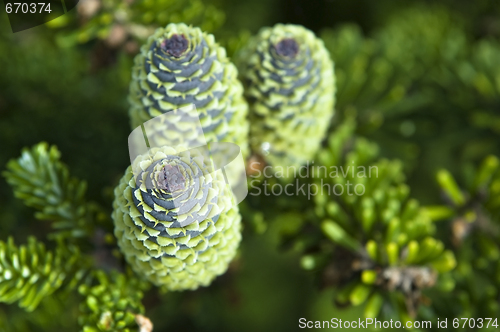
pixel 175 219
pixel 181 65
pixel 289 82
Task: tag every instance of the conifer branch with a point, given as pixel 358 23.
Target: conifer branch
pixel 113 303
pixel 43 182
pixel 29 273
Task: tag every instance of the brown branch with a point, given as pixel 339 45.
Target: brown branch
pixel 410 281
pixel 145 324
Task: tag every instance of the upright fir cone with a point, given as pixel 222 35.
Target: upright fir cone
pixel 181 65
pixel 290 85
pixel 175 220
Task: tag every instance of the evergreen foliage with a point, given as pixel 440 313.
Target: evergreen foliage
pixel 29 273
pixel 472 210
pixel 417 93
pixel 379 247
pixel 113 304
pixel 43 182
pixel 116 22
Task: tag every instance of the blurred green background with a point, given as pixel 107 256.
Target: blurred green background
pixel 434 103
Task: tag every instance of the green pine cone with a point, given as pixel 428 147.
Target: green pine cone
pixel 176 224
pixel 179 66
pixel 290 84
